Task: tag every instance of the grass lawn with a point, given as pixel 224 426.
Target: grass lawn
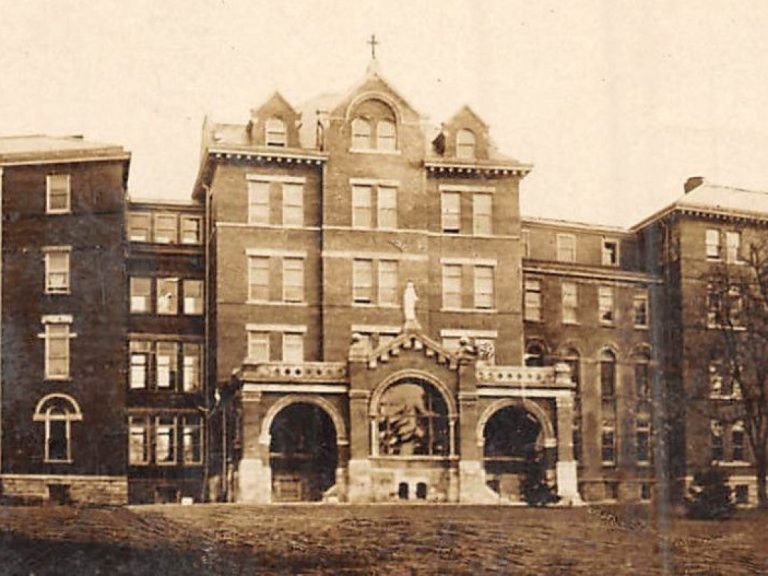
pixel 240 539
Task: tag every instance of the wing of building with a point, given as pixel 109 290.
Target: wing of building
pixel 350 308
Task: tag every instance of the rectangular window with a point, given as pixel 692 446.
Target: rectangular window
pixel 258 202
pixel 640 310
pixel 532 301
pixel 141 295
pixel 293 204
pixel 733 246
pixel 258 278
pixel 737 443
pixel 387 208
pixel 566 248
pixel 258 347
pixel 610 252
pixel 716 440
pixel 57 337
pixel 714 307
pixel 607 379
pixel 362 281
pixel 741 494
pixel 484 287
pixel 451 212
pixel 165 440
pixel 192 360
pixel 452 286
pixel 293 347
pixel 191 229
pixel 139 227
pixel 482 214
pixel 642 381
pixel 139 370
pixel 167 295
pixel 57 271
pixel 193 297
pixel 165 228
pixel 605 301
pixel 716 379
pixel 362 215
pixel 570 298
pixel 293 280
pixel 608 447
pixel 713 244
pixel 166 365
pixel 192 440
pixel 58 193
pixel 388 282
pixel 643 442
pixel 138 442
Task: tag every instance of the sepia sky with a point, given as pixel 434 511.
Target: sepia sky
pixel 615 102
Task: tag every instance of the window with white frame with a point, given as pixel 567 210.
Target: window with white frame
pixel 191 229
pixel 640 309
pixel 258 202
pixel 165 440
pixel 532 300
pixel 606 304
pixel 362 213
pixel 361 134
pixel 293 347
pixel 57 270
pixel 712 239
pixel 388 282
pixel 362 281
pixel 738 452
pixel 139 227
pixel 465 144
pixel 258 346
pixel 258 278
pixel 58 193
pixel 57 412
pixel 716 379
pixel 610 252
pixel 733 246
pixel 293 204
pixel 608 446
pixel 192 440
pixel 167 296
pixel 386 135
pixel 293 280
pixel 451 212
pixel 193 297
pixel 192 357
pixel 275 132
pixel 566 247
pixel 138 440
pixel 140 355
pixel 141 295
pixel 387 207
pixel 165 228
pixel 57 336
pixel 482 217
pixel 570 302
pixel 484 287
pixel 166 365
pixel 452 286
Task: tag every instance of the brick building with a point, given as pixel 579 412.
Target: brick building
pixel 350 308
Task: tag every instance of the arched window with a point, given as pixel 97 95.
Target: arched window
pixel 465 144
pixel 57 412
pixel 386 135
pixel 276 134
pixel 361 134
pixel 607 375
pixel 412 420
pixel 534 354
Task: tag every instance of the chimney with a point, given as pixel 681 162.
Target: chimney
pixel 692 183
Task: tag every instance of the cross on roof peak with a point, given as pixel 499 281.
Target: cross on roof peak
pixel 373 43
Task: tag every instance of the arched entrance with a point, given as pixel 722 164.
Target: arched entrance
pixel 302 453
pixel 513 448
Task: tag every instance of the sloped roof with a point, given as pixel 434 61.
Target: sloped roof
pixel 42 147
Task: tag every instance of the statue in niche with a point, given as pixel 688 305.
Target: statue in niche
pixel 409 306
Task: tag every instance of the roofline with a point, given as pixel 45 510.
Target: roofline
pixel 122 156
pixel 616 230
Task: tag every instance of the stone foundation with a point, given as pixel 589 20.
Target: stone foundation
pixel 32 488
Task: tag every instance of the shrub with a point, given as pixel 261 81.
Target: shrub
pixel 535 489
pixel 710 496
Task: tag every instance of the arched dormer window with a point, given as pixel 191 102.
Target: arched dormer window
pixel 361 134
pixel 386 135
pixel 275 132
pixel 465 144
pixel 57 412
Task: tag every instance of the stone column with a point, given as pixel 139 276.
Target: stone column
pixel 359 471
pixel 254 476
pixel 567 467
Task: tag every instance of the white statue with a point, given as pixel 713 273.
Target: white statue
pixel 409 305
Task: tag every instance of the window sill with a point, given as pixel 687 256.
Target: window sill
pixel 375 151
pixel 470 310
pixel 374 305
pixel 55 212
pixel 571 323
pixel 166 464
pixel 607 464
pixel 275 303
pixel 70 461
pixel 721 327
pixel 57 292
pixel 58 378
pixel 641 327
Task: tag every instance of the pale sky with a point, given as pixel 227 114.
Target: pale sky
pixel 614 102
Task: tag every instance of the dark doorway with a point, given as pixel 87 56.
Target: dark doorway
pixel 302 453
pixel 421 491
pixel 402 491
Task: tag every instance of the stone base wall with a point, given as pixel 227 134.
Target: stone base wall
pixel 438 483
pixel 102 490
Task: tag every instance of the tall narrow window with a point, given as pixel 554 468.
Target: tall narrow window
pixel 643 442
pixel 737 442
pixel 193 297
pixel 714 307
pixel 451 212
pixel 713 244
pixel 165 228
pixel 138 440
pixel 167 365
pixel 642 378
pixel 388 282
pixel 139 227
pixel 610 252
pixel 532 303
pixel 362 281
pixel 192 440
pixel 57 336
pixel 165 440
pixel 258 278
pixel 607 375
pixel 452 286
pixel 362 215
pixel 258 347
pixel 192 354
pixel 733 246
pixel 167 295
pixel 570 302
pixel 716 379
pixel 293 347
pixel 141 295
pixel 640 309
pixel 386 135
pixel 608 447
pixel 566 248
pixel 716 440
pixel 293 204
pixel 387 208
pixel 465 144
pixel 57 270
pixel 484 289
pixel 482 217
pixel 140 353
pixel 293 280
pixel 258 202
pixel 58 193
pixel 606 305
pixel 191 229
pixel 276 134
pixel 361 134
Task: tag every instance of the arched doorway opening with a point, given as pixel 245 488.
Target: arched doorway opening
pixel 513 449
pixel 302 453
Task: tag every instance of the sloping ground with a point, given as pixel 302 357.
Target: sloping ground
pixel 221 539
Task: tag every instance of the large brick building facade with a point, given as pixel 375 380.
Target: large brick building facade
pixel 351 308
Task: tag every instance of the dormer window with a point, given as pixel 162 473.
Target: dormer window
pixel 465 144
pixel 361 134
pixel 385 135
pixel 276 134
